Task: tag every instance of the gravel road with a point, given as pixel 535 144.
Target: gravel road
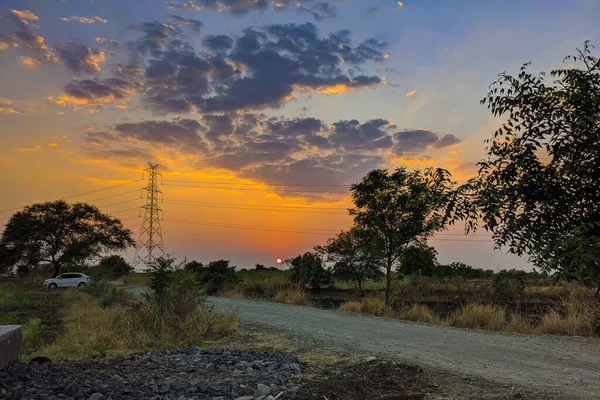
pixel 563 366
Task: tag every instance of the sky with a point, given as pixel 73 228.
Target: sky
pixel 259 113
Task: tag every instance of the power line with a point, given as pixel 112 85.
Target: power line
pixel 254 208
pixel 120 202
pixel 260 205
pixel 264 226
pixel 307 231
pixel 254 184
pixel 114 195
pixel 80 194
pixel 260 190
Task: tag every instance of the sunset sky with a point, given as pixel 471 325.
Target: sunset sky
pixel 259 112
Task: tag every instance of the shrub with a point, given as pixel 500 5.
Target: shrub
pixel 32 335
pixel 508 286
pixel 580 317
pixel 420 313
pixel 479 316
pixel 367 305
pixel 114 267
pixel 105 291
pixel 215 275
pixel 308 269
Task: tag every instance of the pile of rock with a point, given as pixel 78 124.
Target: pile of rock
pixel 179 374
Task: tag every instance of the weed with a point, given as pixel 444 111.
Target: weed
pixel 291 296
pixel 367 305
pixel 479 316
pixel 420 313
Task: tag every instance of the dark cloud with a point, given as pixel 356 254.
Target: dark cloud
pixel 155 36
pixel 100 90
pixel 193 24
pixel 231 6
pixel 177 133
pixel 446 140
pixel 412 141
pixel 258 69
pixel 352 135
pixel 218 43
pixel 80 58
pixel 319 11
pixel 123 155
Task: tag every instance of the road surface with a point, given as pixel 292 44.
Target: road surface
pixel 559 365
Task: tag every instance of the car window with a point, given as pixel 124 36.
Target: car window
pixel 59 277
pixel 69 276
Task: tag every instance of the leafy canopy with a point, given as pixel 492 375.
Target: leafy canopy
pixel 61 234
pixel 307 269
pixel 538 185
pixel 356 254
pixel 403 208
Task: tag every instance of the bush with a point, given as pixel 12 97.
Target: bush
pixel 32 335
pixel 215 275
pixel 308 269
pixel 291 296
pixel 509 285
pixel 105 291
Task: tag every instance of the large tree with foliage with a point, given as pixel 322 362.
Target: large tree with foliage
pixel 419 260
pixel 60 234
pixel 216 274
pixel 114 266
pixel 307 269
pixel 356 255
pixel 402 208
pixel 537 189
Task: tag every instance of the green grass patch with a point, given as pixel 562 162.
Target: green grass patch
pixel 38 311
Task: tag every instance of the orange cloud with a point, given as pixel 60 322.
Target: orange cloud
pixel 11 111
pixel 3 45
pixel 5 101
pixel 30 62
pixel 400 4
pixel 419 161
pixel 53 144
pixel 411 93
pixel 29 149
pixel 25 15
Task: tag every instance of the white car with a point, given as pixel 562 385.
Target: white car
pixel 70 279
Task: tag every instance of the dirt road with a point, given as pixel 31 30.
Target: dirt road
pixel 563 366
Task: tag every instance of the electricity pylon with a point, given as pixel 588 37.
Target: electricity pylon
pixel 150 239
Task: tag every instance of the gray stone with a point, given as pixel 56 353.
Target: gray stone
pixel 249 370
pixel 117 378
pixel 96 396
pixel 262 390
pixel 245 398
pixel 295 367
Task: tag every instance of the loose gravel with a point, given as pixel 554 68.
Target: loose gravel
pixel 180 374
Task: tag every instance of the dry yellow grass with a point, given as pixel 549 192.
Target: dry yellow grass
pixel 367 305
pixel 479 316
pixel 420 313
pixel 291 296
pixel 90 330
pixel 578 319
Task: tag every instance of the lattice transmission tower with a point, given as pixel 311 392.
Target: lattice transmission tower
pixel 150 241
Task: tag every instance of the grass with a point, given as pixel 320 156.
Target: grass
pixel 93 330
pixel 420 313
pixel 38 311
pixel 479 316
pixel 367 305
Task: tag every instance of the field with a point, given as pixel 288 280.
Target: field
pixel 530 306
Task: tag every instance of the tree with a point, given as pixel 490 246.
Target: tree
pixel 61 234
pixel 419 260
pixel 259 267
pixel 308 269
pixel 115 266
pixel 538 185
pixel 356 254
pixel 193 266
pixel 216 274
pixel 402 209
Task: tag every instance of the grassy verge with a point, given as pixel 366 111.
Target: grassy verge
pixel 38 311
pixel 106 321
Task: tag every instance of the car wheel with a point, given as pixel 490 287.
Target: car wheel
pixel 81 284
pixel 53 286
